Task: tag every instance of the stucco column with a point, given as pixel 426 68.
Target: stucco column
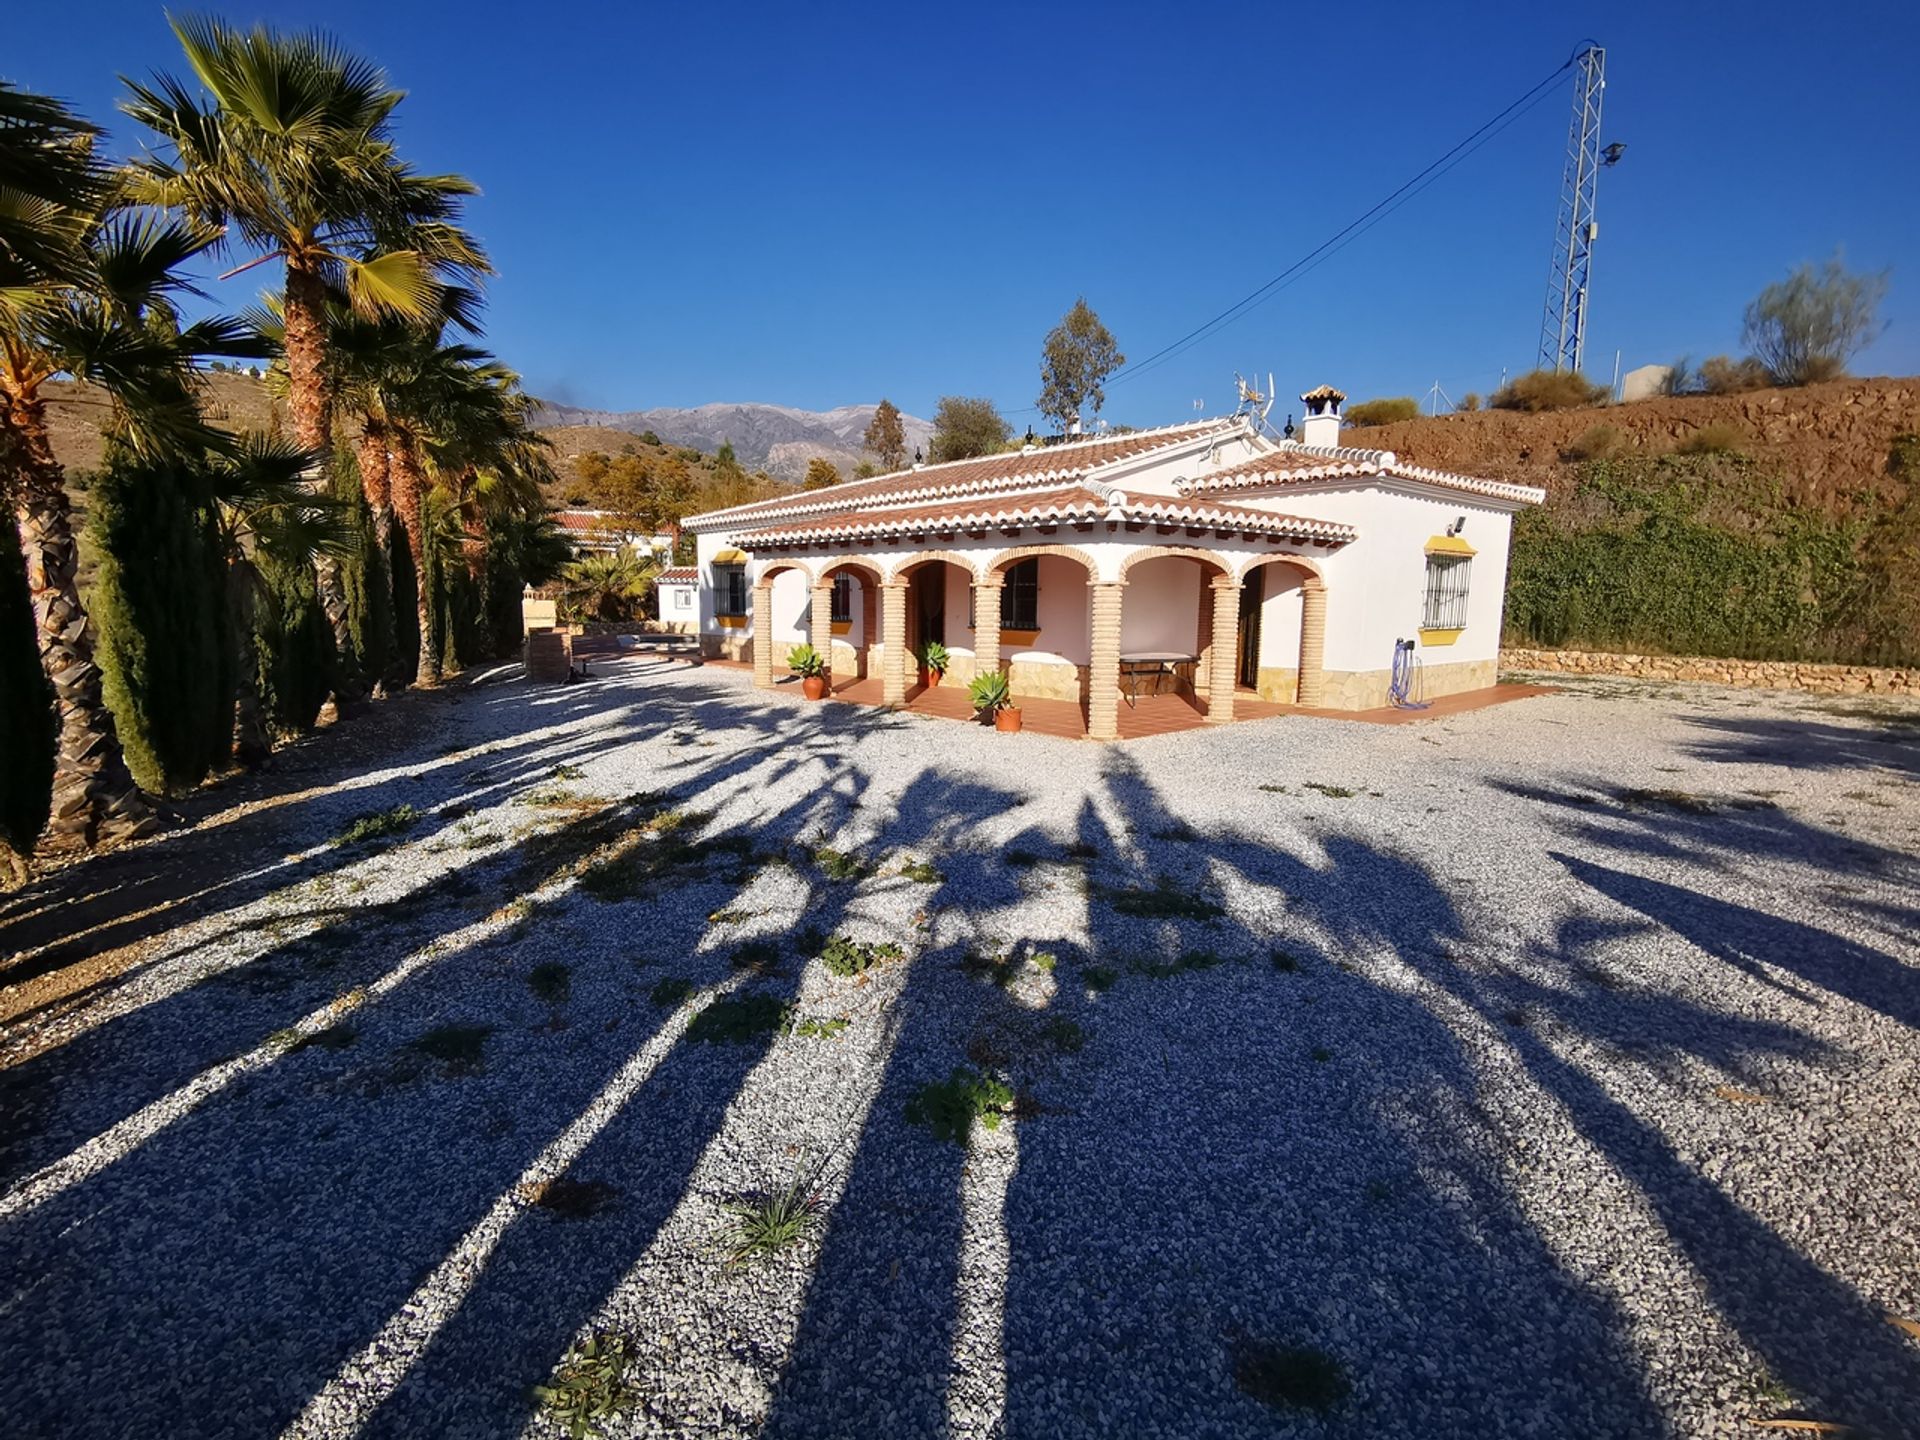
pixel 1223 660
pixel 893 641
pixel 762 635
pixel 1103 674
pixel 1313 640
pixel 986 626
pixel 823 621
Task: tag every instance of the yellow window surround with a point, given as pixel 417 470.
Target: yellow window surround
pixel 842 627
pixel 1431 638
pixel 731 622
pixel 1018 637
pixel 1449 545
pixel 730 557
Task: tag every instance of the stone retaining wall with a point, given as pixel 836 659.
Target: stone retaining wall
pixel 1755 674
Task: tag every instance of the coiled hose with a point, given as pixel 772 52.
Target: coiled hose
pixel 1406 682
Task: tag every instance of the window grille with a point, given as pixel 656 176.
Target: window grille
pixel 1446 597
pixel 1020 596
pixel 842 599
pixel 730 590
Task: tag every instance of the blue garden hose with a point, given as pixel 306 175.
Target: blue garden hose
pixel 1406 678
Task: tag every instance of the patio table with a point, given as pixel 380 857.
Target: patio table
pixel 1136 665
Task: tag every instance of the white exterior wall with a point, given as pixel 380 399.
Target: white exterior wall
pixel 1161 610
pixel 1280 617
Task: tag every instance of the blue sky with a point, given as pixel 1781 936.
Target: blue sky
pixel 818 205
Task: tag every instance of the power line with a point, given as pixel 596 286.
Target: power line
pixel 1344 236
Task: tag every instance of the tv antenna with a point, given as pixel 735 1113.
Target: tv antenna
pixel 1252 401
pixel 1563 323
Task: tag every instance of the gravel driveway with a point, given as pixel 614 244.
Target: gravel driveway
pixel 1548 1070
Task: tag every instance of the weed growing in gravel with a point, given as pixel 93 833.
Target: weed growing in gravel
pixel 949 1107
pixel 558 797
pixel 844 956
pixel 1297 1376
pixel 1283 962
pixel 738 1020
pixel 840 864
pixel 461 1048
pixel 1064 1035
pixel 1515 1017
pixel 1320 1054
pixel 670 991
pixel 1275 789
pixel 334 1037
pixel 921 872
pixel 566 772
pixel 550 981
pixel 729 917
pixel 287 1039
pixel 766 1224
pixel 590 1387
pixel 1022 859
pixel 379 825
pixel 1083 850
pixel 760 956
pixel 1179 965
pixel 1045 960
pixel 815 1027
pixel 1099 978
pixel 1332 792
pixel 567 1198
pixel 1379 1191
pixel 1167 900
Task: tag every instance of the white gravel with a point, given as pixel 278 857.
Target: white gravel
pixel 1532 1104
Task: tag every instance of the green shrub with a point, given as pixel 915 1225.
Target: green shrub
pixel 1596 443
pixel 844 956
pixel 1548 390
pixel 27 726
pixel 1712 440
pixel 988 692
pixel 1383 412
pixel 294 644
pixel 1469 402
pixel 370 619
pixel 159 603
pixel 590 1386
pixel 405 663
pixel 766 1224
pixel 379 825
pixel 805 661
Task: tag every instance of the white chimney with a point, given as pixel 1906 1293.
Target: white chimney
pixel 1321 427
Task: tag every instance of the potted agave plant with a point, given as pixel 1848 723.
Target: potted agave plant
pixel 933 663
pixel 990 696
pixel 805 662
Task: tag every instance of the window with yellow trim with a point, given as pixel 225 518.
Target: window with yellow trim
pixel 842 599
pixel 729 591
pixel 1448 578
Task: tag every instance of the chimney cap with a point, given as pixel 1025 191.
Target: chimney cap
pixel 1318 399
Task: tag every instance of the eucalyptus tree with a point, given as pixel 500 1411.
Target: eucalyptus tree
pixel 292 158
pixel 87 289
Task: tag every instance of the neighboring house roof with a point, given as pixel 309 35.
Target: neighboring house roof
pixel 1057 505
pixel 1294 464
pixel 588 521
pixel 678 575
pixel 1031 469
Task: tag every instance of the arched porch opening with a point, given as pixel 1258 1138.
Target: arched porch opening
pixel 1174 593
pixel 1280 640
pixel 844 617
pixel 926 600
pixel 785 611
pixel 1047 618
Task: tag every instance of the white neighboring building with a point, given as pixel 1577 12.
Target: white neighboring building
pixel 678 591
pixel 1287 569
pixel 604 532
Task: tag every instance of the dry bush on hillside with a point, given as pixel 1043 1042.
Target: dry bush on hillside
pixel 1383 412
pixel 1712 440
pixel 1548 390
pixel 1724 375
pixel 1599 443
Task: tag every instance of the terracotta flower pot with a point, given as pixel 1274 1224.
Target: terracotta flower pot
pixel 1006 719
pixel 930 679
pixel 813 686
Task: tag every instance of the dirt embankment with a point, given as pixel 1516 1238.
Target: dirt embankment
pixel 1829 440
pixel 77 413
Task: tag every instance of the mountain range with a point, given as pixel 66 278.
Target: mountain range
pixel 776 438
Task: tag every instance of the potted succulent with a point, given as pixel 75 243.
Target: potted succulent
pixel 933 663
pixel 805 662
pixel 990 696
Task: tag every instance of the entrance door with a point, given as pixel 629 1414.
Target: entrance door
pixel 1252 592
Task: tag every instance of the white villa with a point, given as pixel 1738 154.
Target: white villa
pixel 1237 564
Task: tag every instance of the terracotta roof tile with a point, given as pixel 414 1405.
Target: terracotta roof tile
pixel 1294 464
pixel 678 575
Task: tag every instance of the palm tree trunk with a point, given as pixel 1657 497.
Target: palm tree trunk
pixel 95 801
pixel 310 398
pixel 475 525
pixel 252 746
pixel 408 493
pixel 376 481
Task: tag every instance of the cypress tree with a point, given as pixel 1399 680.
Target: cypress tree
pixel 159 604
pixel 369 590
pixel 294 643
pixel 405 610
pixel 27 730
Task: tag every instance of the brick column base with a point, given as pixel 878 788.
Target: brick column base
pixel 1313 641
pixel 1103 674
pixel 762 635
pixel 893 639
pixel 1224 656
pixel 822 626
pixel 986 627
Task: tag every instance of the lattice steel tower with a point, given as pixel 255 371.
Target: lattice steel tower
pixel 1563 326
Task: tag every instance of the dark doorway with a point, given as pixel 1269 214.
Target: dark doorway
pixel 1252 591
pixel 928 595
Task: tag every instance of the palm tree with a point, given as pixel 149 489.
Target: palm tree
pixel 604 585
pixel 295 160
pixel 263 502
pixel 87 289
